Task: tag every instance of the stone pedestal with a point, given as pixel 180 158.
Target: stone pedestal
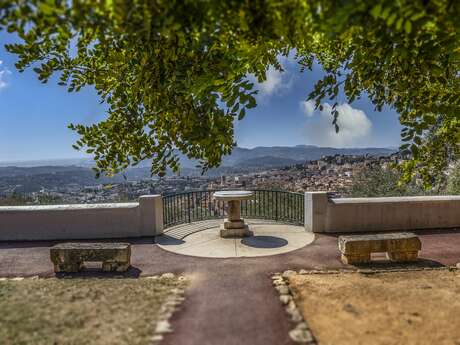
pixel 234 225
pixel 236 232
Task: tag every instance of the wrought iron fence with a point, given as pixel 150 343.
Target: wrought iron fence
pixel 194 206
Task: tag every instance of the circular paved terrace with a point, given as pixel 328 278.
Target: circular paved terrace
pixel 202 239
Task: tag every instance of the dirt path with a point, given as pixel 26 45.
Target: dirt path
pixel 230 301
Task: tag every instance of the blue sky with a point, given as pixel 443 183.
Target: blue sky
pixel 34 116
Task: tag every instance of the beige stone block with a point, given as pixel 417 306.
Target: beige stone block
pixel 400 247
pixel 394 242
pixel 70 257
pixel 238 232
pixel 402 256
pixel 233 224
pixel 353 259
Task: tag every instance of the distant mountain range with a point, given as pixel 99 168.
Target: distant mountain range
pixel 276 156
pixel 258 157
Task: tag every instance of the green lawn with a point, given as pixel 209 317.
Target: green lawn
pixel 82 311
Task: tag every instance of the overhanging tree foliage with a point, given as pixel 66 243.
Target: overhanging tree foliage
pixel 174 73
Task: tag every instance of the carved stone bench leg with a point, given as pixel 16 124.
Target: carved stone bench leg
pixel 68 267
pixel 112 266
pixel 352 259
pixel 402 256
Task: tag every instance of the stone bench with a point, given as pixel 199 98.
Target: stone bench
pixel 400 247
pixel 70 257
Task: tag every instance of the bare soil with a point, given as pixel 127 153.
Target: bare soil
pixel 412 307
pixel 82 311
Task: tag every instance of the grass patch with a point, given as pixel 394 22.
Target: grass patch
pixel 411 307
pixel 82 311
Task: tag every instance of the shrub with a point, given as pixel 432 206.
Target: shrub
pixel 453 180
pixel 381 181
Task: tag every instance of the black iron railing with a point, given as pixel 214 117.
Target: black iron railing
pixel 194 206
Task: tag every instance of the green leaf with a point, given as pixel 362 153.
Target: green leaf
pixel 242 114
pixel 404 147
pixel 408 26
pixel 376 10
pixel 386 12
pixel 391 19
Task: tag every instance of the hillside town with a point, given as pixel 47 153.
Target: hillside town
pixel 330 173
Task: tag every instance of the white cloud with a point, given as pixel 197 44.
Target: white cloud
pixel 354 126
pixel 273 83
pixel 308 107
pixel 3 73
pixel 277 82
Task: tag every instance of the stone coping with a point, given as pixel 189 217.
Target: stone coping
pixel 91 245
pixel 67 207
pixel 377 237
pixel 395 199
pixel 229 195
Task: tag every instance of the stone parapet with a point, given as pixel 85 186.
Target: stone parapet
pixel 335 215
pixel 82 221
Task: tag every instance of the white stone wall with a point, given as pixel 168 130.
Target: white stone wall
pixel 82 221
pixel 324 214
